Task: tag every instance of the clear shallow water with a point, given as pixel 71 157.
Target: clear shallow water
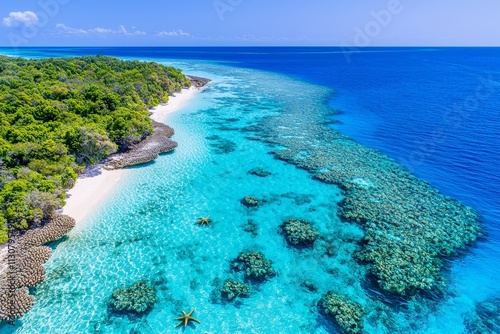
pixel 146 230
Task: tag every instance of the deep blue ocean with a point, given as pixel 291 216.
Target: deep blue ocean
pixel 433 110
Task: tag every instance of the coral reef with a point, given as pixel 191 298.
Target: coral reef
pixel 347 314
pixel 409 226
pixel 25 266
pixel 251 227
pixel 56 228
pixel 485 319
pixel 222 145
pixel 299 232
pixel 309 286
pixel 186 318
pixel 300 199
pixel 137 298
pixel 146 150
pixel 255 265
pixel 27 269
pixel 234 289
pixel 14 303
pixel 259 172
pixel 250 201
pixel 204 221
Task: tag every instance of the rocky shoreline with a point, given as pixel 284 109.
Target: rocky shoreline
pixel 24 269
pixel 152 146
pixel 145 151
pixel 22 257
pixel 198 82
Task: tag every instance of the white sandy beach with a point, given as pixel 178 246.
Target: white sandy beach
pixel 90 191
pixel 174 103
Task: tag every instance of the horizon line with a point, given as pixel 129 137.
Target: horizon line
pixel 252 46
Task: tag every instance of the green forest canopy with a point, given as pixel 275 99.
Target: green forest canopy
pixel 59 115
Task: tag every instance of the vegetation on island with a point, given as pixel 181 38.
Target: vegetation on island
pixel 59 115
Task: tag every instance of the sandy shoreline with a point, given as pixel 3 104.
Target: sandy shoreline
pixel 96 184
pixel 174 103
pixel 90 190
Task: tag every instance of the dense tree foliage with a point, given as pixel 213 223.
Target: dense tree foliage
pixel 59 115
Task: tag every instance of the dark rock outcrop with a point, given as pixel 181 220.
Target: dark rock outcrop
pixel 198 82
pixel 145 151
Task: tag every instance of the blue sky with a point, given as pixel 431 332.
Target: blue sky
pixel 249 22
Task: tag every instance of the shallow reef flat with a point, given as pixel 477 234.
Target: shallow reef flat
pixel 409 226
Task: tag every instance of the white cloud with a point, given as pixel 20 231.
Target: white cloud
pixel 123 30
pixel 15 19
pixel 99 31
pixel 174 33
pixel 70 30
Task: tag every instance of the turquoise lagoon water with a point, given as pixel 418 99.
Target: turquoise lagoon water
pixel 146 230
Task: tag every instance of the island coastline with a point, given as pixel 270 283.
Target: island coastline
pixel 98 182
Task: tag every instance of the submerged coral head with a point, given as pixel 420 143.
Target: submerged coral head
pixel 250 201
